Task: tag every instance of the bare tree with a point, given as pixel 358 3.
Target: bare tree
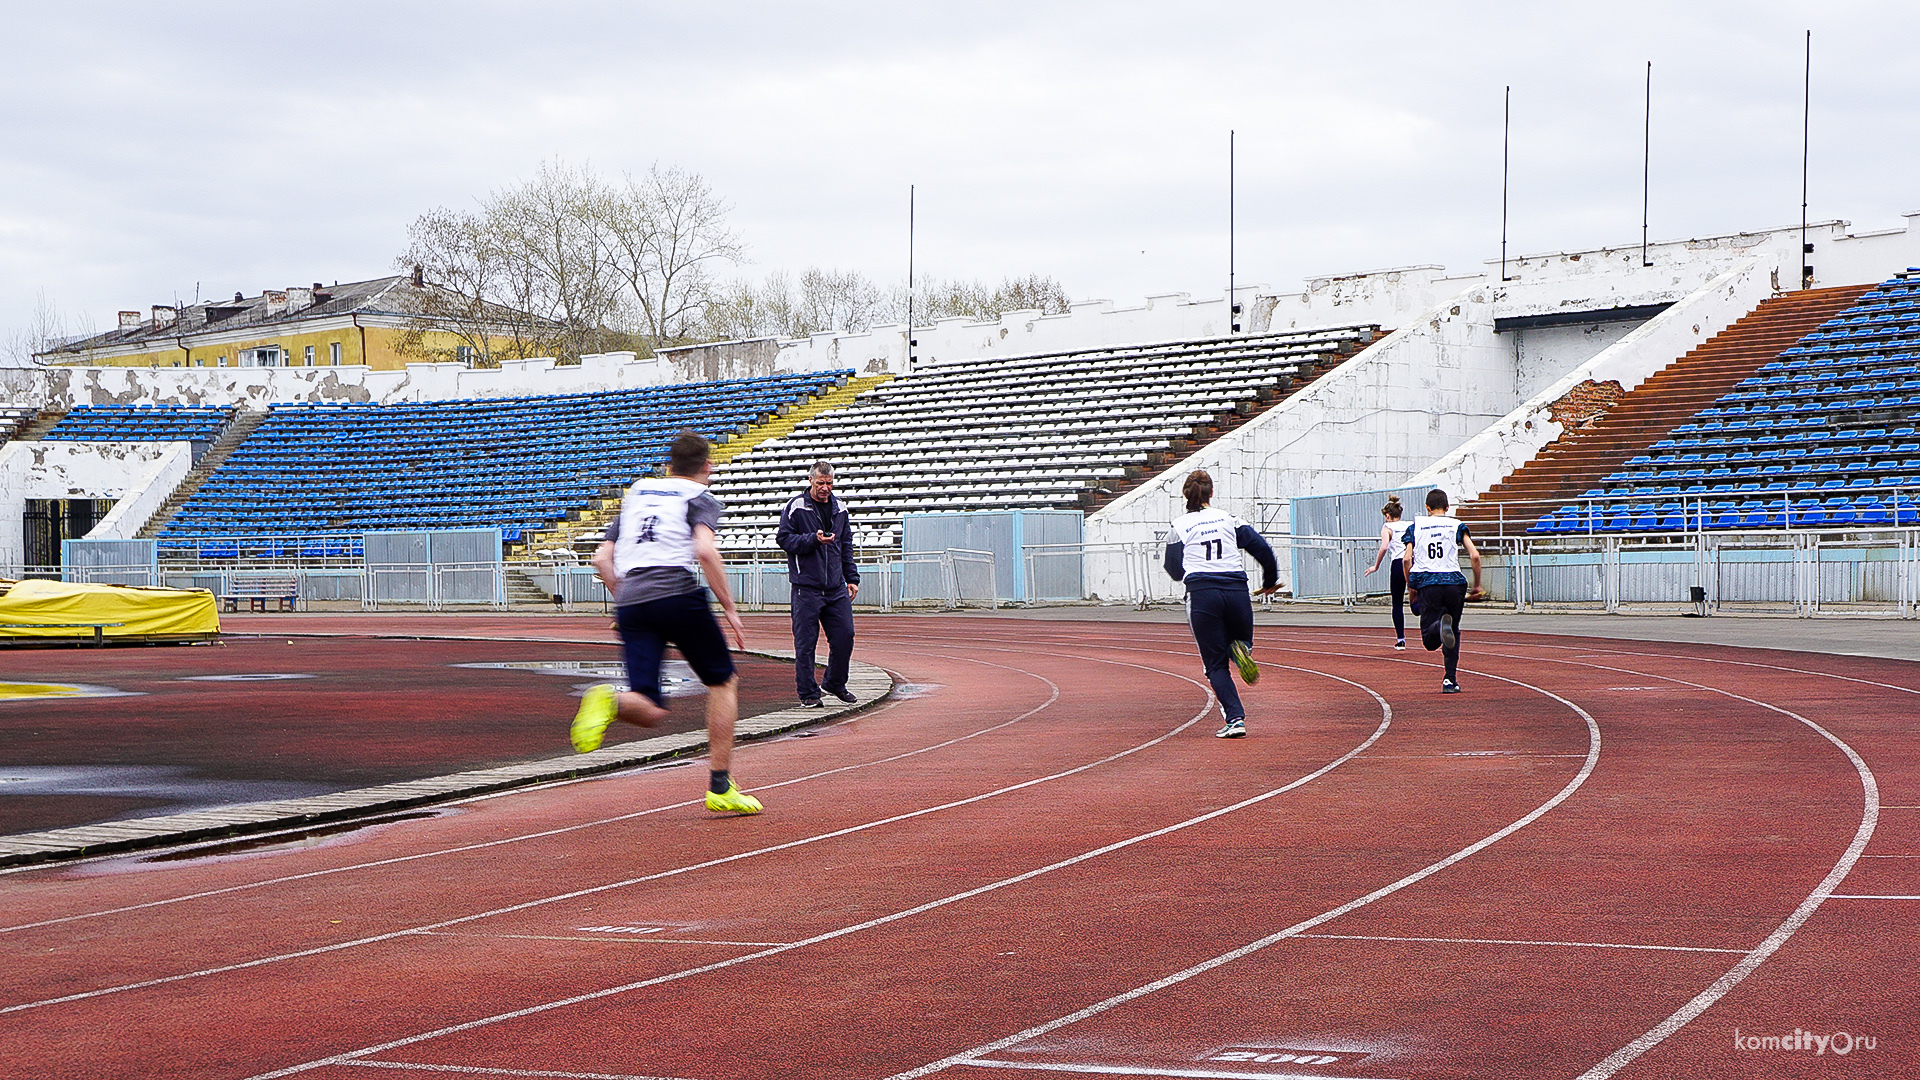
pixel 666 232
pixel 477 295
pixel 978 301
pixel 558 226
pixel 46 328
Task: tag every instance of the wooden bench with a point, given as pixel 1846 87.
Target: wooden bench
pixel 258 590
pixel 99 628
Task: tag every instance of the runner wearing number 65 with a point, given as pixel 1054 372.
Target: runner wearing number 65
pixel 1433 544
pixel 1203 550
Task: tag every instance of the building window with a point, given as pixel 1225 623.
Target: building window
pixel 465 355
pixel 309 356
pixel 269 357
pixel 220 361
pixel 333 353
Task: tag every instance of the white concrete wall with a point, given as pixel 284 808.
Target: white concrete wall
pixel 1512 441
pixel 139 476
pixel 63 388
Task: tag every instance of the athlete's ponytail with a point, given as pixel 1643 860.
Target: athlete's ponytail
pixel 1198 489
pixel 1392 509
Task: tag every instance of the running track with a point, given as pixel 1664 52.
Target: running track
pixel 1604 859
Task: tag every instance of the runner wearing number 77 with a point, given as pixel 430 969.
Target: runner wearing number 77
pixel 1433 544
pixel 1203 550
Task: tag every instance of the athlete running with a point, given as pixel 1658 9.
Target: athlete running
pixel 1203 550
pixel 1433 544
pixel 665 530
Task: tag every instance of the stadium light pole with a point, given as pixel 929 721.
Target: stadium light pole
pixel 1506 130
pixel 910 339
pixel 1806 111
pixel 1646 167
pixel 1233 303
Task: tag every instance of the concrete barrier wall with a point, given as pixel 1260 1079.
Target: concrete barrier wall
pixel 1514 439
pixel 139 475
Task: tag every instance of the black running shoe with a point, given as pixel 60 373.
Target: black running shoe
pixel 1448 686
pixel 845 695
pixel 1449 639
pixel 816 703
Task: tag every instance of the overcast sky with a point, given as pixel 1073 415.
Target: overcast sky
pixel 155 151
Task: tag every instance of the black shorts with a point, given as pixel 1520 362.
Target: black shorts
pixel 686 622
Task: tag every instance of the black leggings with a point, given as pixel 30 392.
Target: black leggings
pixel 1435 601
pixel 1220 617
pixel 1399 579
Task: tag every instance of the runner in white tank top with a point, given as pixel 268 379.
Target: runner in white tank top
pixel 1432 561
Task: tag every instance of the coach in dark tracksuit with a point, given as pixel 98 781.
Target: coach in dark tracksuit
pixel 823 580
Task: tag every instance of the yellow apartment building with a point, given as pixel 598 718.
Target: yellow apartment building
pixel 376 323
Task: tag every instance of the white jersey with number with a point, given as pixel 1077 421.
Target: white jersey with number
pixel 655 526
pixel 1436 545
pixel 1210 542
pixel 1396 541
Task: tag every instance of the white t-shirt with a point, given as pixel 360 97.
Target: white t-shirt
pixel 1210 544
pixel 653 553
pixel 1396 540
pixel 1436 550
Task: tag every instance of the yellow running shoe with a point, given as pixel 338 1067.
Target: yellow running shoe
pixel 1243 656
pixel 598 706
pixel 734 801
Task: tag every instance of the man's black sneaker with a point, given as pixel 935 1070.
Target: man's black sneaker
pixel 816 703
pixel 1449 640
pixel 1448 686
pixel 845 695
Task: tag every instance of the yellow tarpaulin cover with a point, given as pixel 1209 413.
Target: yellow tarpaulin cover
pixel 142 612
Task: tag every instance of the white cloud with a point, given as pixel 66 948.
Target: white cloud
pixel 151 148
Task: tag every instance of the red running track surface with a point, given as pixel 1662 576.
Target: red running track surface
pixel 1603 859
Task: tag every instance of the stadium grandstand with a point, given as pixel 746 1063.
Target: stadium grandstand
pixel 1054 431
pixel 1674 391
pixel 318 476
pixel 1819 433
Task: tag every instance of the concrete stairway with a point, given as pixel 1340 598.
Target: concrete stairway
pixel 795 416
pixel 1576 461
pixel 36 429
pixel 236 433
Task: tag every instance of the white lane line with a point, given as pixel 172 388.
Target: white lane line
pixel 607 939
pixel 1503 941
pixel 1053 696
pixel 1141 1070
pixel 1869 896
pixel 1705 999
pixel 477 1070
pixel 592 890
pixel 1386 720
pixel 1178 977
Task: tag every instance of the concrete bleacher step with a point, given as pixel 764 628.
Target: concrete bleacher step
pixel 36 429
pixel 243 425
pixel 1583 455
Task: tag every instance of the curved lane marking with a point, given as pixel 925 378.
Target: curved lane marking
pixel 372 939
pixel 1386 720
pixel 1299 928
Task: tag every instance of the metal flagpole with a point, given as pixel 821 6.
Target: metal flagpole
pixel 1506 128
pixel 910 338
pixel 1806 109
pixel 1233 304
pixel 1646 166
